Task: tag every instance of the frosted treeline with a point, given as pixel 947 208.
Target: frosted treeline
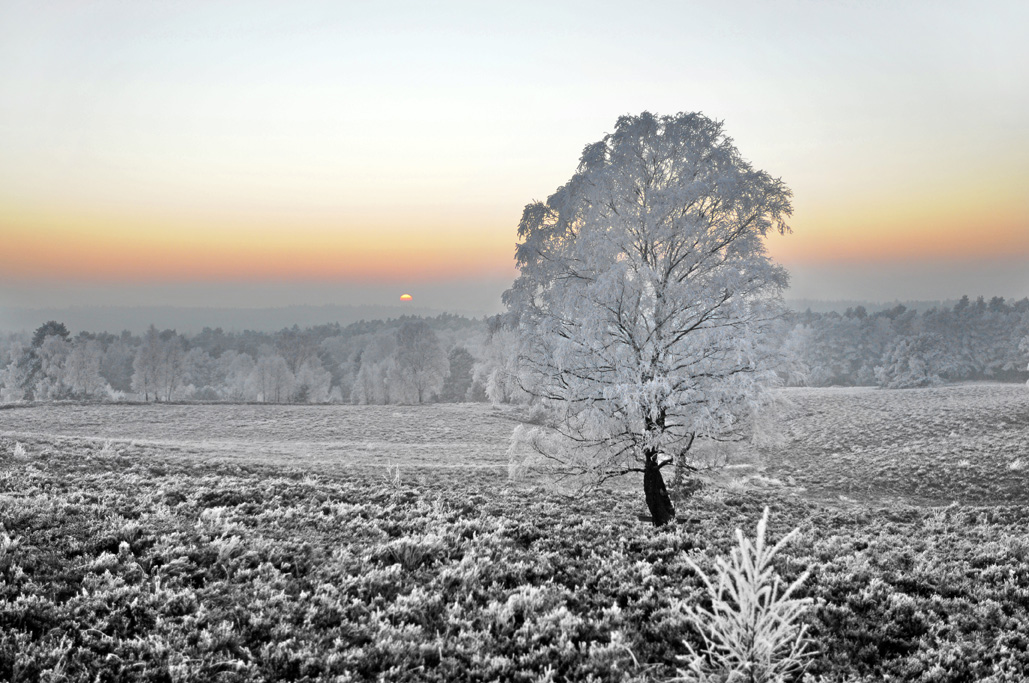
pixel 407 360
pixel 900 348
pixel 451 358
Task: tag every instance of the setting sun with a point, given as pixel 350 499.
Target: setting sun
pixel 406 297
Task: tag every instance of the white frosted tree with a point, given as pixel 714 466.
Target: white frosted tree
pixel 172 366
pixel 283 380
pixel 237 368
pixel 313 382
pixel 53 361
pixel 374 362
pixel 644 287
pixel 1023 346
pixel 147 365
pixel 116 365
pixel 201 374
pixel 912 361
pixel 15 373
pixel 369 385
pixel 272 378
pixel 420 364
pixel 497 370
pixel 12 380
pixel 82 372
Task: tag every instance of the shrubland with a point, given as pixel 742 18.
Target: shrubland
pixel 118 564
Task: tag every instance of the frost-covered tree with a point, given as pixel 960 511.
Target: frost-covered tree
pixel 50 379
pixel 644 286
pixel 272 378
pixel 30 371
pixel 296 346
pixel 458 385
pixel 420 364
pixel 374 361
pixel 370 384
pixel 116 365
pixel 912 361
pixel 1023 346
pixel 172 366
pixel 202 375
pixel 147 365
pixel 50 328
pixel 14 376
pixel 237 368
pixel 497 370
pixel 313 382
pixel 82 373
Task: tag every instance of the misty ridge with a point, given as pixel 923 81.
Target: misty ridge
pixel 193 319
pixel 414 359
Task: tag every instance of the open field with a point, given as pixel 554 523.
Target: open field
pixel 965 443
pixel 317 437
pixel 202 543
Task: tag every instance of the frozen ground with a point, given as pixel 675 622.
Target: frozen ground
pixel 964 443
pixel 438 436
pixel 255 543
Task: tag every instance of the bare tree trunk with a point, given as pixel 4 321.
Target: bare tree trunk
pixel 660 505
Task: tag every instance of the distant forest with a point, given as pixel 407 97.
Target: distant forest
pixel 451 358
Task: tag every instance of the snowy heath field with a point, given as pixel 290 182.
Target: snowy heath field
pixel 185 542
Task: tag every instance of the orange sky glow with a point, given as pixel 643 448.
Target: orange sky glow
pixel 348 144
pixel 114 248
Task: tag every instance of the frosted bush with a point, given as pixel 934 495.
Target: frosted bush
pixel 751 633
pixel 19 452
pixel 7 544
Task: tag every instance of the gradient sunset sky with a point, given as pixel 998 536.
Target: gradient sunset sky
pixel 255 154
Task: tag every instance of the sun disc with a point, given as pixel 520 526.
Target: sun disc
pixel 406 297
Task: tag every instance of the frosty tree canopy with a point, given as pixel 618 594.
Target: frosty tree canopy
pixel 644 288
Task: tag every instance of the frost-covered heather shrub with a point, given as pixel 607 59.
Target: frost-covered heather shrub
pixel 751 633
pixel 19 452
pixel 7 544
pixel 1016 465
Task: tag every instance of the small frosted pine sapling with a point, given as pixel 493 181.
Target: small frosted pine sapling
pixel 752 632
pixel 19 452
pixel 392 477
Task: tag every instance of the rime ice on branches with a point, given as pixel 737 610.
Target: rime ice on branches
pixel 643 297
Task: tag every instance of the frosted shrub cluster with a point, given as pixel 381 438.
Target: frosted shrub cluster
pixel 751 632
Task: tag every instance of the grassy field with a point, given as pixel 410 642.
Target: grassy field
pixel 247 543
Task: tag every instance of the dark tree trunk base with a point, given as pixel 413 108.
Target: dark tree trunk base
pixel 660 505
